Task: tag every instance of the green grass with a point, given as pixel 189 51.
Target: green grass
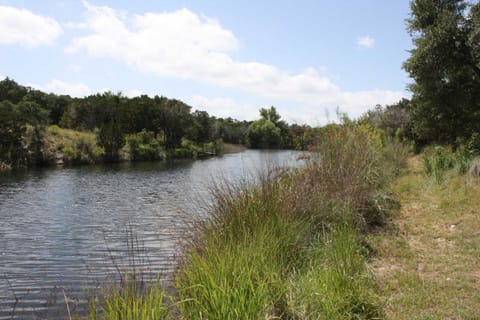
pixel 290 247
pixel 72 147
pixel 281 250
pixel 427 263
pixel 335 283
pixel 131 301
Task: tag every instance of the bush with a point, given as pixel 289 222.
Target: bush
pixel 437 161
pixel 143 146
pixel 71 147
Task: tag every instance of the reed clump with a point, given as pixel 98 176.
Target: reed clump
pixel 290 247
pixel 131 299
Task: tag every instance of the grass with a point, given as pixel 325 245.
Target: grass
pixel 291 247
pixel 71 147
pixel 335 283
pixel 427 263
pixel 131 300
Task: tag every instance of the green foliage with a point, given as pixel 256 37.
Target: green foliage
pixel 303 137
pixel 131 301
pixel 445 67
pixel 263 134
pixel 144 146
pixel 291 248
pixel 110 137
pixel 12 129
pixel 231 130
pixel 437 161
pixel 335 282
pixel 71 147
pixel 394 120
pixel 202 128
pixel 11 91
pixel 269 132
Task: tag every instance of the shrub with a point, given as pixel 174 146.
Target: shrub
pixel 437 161
pixel 144 146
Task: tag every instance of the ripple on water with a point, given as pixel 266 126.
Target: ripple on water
pixel 68 229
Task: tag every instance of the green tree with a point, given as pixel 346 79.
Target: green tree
pixel 263 134
pixel 110 137
pixel 202 127
pixel 11 91
pixel 269 132
pixel 173 117
pixel 445 67
pixel 12 129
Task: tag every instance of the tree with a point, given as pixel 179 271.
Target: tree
pixel 110 137
pixel 173 117
pixel 202 127
pixel 269 132
pixel 12 129
pixel 445 67
pixel 394 120
pixel 11 91
pixel 263 134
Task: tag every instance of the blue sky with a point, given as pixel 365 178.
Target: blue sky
pixel 230 58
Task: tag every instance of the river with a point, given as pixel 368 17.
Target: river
pixel 68 230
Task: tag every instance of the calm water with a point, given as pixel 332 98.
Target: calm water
pixel 68 230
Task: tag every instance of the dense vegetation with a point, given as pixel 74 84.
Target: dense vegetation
pixel 296 245
pixel 38 128
pixel 289 247
pixel 445 67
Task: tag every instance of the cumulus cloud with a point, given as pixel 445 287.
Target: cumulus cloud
pixel 23 27
pixel 366 42
pixel 185 45
pixel 60 87
pixel 223 107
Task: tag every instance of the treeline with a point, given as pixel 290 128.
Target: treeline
pixel 38 128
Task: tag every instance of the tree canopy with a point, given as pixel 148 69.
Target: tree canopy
pixel 445 67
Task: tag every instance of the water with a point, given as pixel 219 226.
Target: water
pixel 67 230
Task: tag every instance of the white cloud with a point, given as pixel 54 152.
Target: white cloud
pixel 23 27
pixel 134 93
pixel 61 87
pixel 74 68
pixel 182 44
pixel 224 107
pixel 73 25
pixel 366 42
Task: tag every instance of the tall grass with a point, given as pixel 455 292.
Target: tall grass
pixel 335 282
pixel 131 300
pixel 281 250
pixel 287 248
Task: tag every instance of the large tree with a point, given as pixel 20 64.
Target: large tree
pixel 445 67
pixel 269 132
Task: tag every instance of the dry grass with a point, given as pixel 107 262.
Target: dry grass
pixel 428 262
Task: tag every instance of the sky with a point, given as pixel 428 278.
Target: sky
pixel 308 58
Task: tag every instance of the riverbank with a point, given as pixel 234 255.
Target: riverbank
pixel 271 251
pixel 427 262
pixel 67 147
